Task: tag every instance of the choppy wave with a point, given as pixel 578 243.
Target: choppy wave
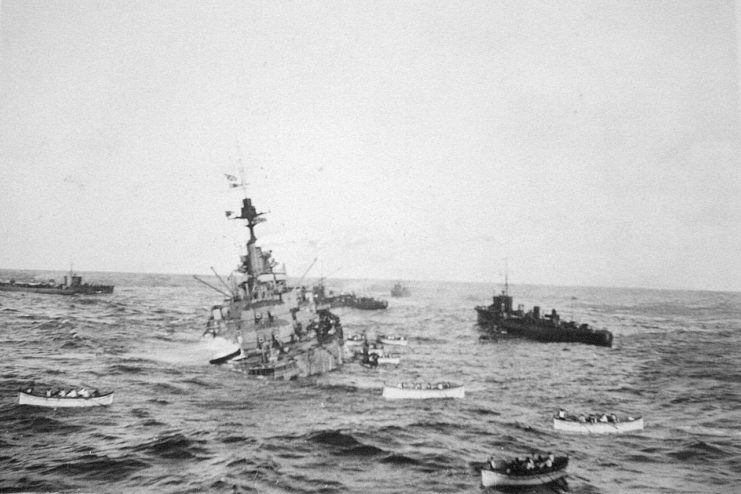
pixel 180 425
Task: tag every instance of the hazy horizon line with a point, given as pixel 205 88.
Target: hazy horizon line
pixel 403 280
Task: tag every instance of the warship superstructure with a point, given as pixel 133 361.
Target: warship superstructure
pixel 281 332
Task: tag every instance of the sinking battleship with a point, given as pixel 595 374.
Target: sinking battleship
pixel 534 325
pixel 280 333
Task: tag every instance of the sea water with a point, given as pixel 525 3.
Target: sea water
pixel 178 424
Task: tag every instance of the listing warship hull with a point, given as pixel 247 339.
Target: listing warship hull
pixel 281 332
pixel 501 317
pixel 72 286
pixel 311 338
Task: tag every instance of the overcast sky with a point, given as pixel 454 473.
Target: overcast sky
pixel 590 143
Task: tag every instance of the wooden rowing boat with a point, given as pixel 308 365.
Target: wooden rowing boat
pixel 418 391
pixel 389 359
pixel 393 340
pixel 628 424
pixel 355 340
pixel 498 476
pixel 372 349
pixel 65 402
pixel 225 358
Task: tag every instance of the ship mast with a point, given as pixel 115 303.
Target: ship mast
pixel 506 276
pixel 253 263
pixel 257 262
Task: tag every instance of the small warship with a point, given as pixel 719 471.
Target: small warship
pixel 347 299
pixel 280 331
pixel 400 290
pixel 72 285
pixel 322 296
pixel 366 303
pixel 537 326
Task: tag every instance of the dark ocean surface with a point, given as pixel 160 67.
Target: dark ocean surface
pixel 178 424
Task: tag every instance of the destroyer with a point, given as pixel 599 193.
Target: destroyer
pixel 72 285
pixel 536 326
pixel 322 296
pixel 400 290
pixel 366 303
pixel 282 333
pixel 347 299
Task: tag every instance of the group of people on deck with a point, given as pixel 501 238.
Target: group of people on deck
pixel 528 465
pixel 424 386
